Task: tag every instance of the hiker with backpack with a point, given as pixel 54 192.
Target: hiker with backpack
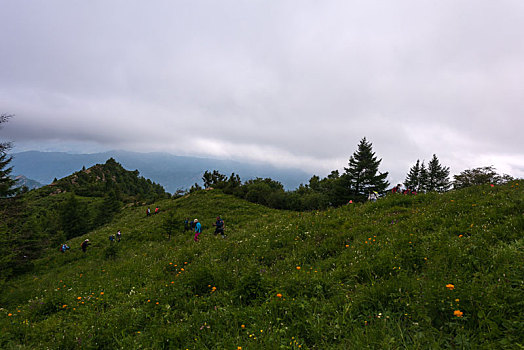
pixel 64 247
pixel 187 225
pixel 111 238
pixel 148 212
pixel 219 227
pixel 118 236
pixel 198 229
pixel 84 245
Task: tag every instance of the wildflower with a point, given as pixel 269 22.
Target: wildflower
pixel 347 245
pixel 298 267
pixel 239 348
pixel 279 295
pixel 79 298
pixel 101 293
pixel 148 300
pixel 450 286
pixel 457 300
pixel 157 302
pixel 9 314
pixel 458 313
pixel 460 236
pixel 243 326
pixel 64 306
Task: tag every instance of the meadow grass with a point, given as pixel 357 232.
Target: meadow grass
pixel 416 272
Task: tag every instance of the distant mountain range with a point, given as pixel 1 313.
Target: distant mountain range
pixel 172 172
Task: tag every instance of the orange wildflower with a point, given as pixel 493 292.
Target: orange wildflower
pixel 458 313
pixel 450 286
pixel 279 295
pixel 298 267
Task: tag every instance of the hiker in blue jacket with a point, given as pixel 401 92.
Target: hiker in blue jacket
pixel 198 229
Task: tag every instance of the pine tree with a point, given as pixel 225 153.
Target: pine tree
pixel 423 178
pixel 412 180
pixel 438 176
pixel 362 172
pixel 7 184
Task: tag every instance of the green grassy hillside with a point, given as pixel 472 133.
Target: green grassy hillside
pixel 426 271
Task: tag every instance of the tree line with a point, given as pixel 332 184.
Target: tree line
pixel 360 178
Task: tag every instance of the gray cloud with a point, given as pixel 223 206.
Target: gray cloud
pixel 295 83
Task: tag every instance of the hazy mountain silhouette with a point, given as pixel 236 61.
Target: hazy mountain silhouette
pixel 172 172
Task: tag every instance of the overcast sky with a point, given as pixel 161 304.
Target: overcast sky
pixel 296 83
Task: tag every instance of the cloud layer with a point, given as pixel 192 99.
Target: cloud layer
pixel 293 83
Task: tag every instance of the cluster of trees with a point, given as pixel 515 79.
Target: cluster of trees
pixel 479 176
pixel 433 178
pixel 361 177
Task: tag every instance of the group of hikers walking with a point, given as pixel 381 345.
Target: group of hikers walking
pixel 148 211
pixel 189 225
pixel 64 247
pixel 196 227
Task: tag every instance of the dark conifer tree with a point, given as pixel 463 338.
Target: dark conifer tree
pixel 437 176
pixel 362 172
pixel 7 184
pixel 412 180
pixel 423 178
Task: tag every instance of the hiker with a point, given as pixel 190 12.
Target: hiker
pixel 148 212
pixel 198 229
pixel 111 238
pixel 118 236
pixel 84 245
pixel 373 196
pixel 64 247
pixel 219 227
pixel 157 210
pixel 396 189
pixel 187 224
